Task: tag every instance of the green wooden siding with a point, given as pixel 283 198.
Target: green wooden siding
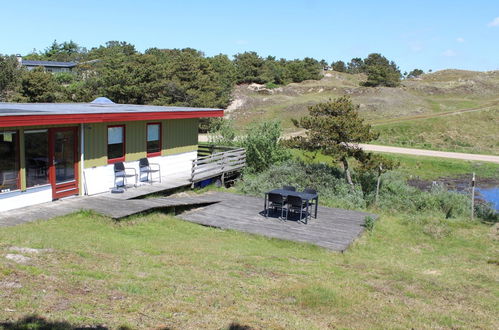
pixel 135 140
pixel 22 160
pixel 178 136
pixel 95 145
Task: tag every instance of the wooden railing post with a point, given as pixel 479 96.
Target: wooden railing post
pixel 222 168
pixel 193 169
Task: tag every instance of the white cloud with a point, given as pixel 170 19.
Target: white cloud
pixel 495 22
pixel 449 53
pixel 460 39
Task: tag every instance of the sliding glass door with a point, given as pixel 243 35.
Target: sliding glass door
pixel 64 161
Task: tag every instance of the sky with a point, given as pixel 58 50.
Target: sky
pixel 434 35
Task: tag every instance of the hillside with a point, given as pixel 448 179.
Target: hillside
pixel 405 116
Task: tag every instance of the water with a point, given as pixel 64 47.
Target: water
pixel 490 195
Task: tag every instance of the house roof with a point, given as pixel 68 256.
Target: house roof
pixel 49 63
pixel 101 110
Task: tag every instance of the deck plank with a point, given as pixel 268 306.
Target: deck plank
pixel 334 229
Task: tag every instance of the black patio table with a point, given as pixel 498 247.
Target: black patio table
pixel 305 196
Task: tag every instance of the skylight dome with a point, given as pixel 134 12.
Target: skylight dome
pixel 102 100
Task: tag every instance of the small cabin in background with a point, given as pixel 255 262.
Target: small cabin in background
pixel 49 66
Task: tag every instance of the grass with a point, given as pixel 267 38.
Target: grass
pixel 473 132
pixel 156 270
pixel 434 95
pixel 427 168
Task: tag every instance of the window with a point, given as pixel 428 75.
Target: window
pixel 115 144
pixel 153 139
pixel 36 144
pixel 9 161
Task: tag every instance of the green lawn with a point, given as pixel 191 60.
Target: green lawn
pixel 156 270
pixel 427 168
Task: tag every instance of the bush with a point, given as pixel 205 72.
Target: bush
pixel 221 132
pixel 262 145
pixel 395 194
pixel 64 78
pixel 327 180
pixel 485 211
pixel 369 223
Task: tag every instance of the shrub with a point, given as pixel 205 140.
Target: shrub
pixel 271 85
pixel 369 223
pixel 327 180
pixel 221 132
pixel 486 212
pixel 64 77
pixel 262 145
pixel 395 194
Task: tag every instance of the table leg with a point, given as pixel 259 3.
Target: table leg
pixel 265 205
pixel 316 205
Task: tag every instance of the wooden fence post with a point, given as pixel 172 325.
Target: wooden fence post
pixel 380 170
pixel 473 197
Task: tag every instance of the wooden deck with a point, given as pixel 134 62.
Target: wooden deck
pixel 116 206
pixel 334 229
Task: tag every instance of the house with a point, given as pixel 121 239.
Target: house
pixel 49 66
pixel 54 150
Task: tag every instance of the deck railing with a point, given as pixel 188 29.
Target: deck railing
pixel 218 163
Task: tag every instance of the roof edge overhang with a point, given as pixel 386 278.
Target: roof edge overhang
pixel 61 119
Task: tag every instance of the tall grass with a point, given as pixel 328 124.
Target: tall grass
pixel 395 196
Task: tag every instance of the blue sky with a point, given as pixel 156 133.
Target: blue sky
pixel 425 34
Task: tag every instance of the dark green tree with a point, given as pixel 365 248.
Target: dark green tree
pixel 306 69
pixel 10 73
pixel 415 73
pixel 356 65
pixel 275 71
pixel 249 68
pixel 339 66
pixel 225 76
pixel 380 71
pixel 335 128
pixel 63 52
pixel 39 86
pixel 111 49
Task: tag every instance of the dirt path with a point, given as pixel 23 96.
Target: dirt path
pixel 406 151
pixel 430 153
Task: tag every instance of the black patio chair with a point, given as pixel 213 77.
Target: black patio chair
pixel 296 204
pixel 312 192
pixel 276 201
pixel 146 167
pixel 120 172
pixel 290 188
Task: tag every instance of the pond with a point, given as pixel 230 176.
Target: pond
pixel 486 189
pixel 490 195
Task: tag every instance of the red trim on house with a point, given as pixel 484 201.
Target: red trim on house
pixel 158 153
pixel 17 160
pixel 35 120
pixel 70 188
pixel 119 159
